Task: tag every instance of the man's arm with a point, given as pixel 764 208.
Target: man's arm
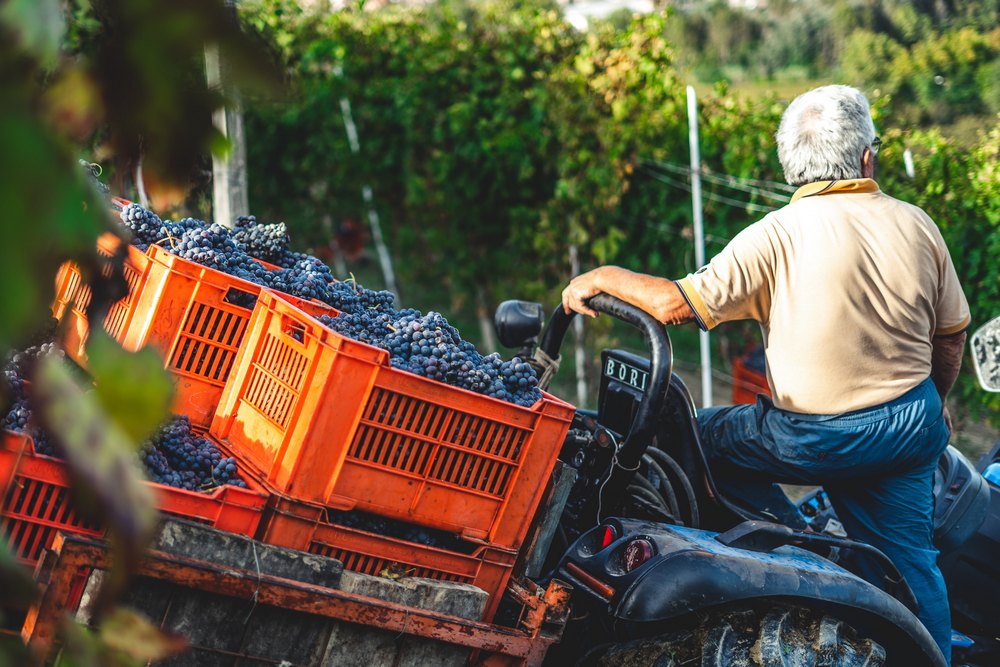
pixel 946 360
pixel 659 297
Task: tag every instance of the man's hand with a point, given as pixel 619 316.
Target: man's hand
pixel 947 421
pixel 579 290
pixel 659 297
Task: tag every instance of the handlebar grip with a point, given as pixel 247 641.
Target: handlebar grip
pixel 660 365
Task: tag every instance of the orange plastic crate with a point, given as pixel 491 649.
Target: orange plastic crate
pixel 307 527
pixel 73 296
pixel 747 383
pixel 327 420
pixel 37 502
pixel 196 317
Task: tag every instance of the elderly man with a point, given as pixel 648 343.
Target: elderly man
pixel 864 325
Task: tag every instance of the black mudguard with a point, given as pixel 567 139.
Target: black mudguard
pixel 691 571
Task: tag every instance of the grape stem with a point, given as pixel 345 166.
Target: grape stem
pixel 168 237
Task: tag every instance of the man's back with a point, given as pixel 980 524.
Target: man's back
pixel 849 285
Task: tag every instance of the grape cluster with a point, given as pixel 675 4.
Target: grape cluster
pixel 145 225
pixel 18 417
pixel 177 457
pixel 266 242
pixel 171 230
pixel 210 246
pixel 174 456
pixel 306 278
pixel 236 252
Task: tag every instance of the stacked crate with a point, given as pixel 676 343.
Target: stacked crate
pixel 389 472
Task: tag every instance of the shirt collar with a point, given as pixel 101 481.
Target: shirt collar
pixel 842 185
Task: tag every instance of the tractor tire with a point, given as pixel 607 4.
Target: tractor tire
pixel 778 636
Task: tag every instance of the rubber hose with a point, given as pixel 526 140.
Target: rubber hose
pixel 665 459
pixel 649 496
pixel 666 490
pixel 644 482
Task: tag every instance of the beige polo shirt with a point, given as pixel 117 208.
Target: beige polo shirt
pixel 849 286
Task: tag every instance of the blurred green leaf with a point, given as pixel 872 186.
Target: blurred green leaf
pixel 125 638
pixel 131 633
pixel 17 588
pixel 133 389
pixel 82 648
pixel 49 214
pixel 13 652
pixel 39 24
pixel 100 455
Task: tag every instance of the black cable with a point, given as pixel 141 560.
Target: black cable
pixel 669 462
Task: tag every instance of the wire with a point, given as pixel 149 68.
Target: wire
pixel 611 470
pixel 735 203
pixel 729 182
pixel 705 172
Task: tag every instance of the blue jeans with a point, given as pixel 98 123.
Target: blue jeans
pixel 876 464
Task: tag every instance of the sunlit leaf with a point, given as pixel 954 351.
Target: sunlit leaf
pixel 134 390
pixel 131 633
pixel 39 24
pixel 72 103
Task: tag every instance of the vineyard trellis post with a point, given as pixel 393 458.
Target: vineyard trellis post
pixel 230 196
pixel 699 238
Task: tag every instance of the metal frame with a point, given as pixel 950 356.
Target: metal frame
pixel 73 557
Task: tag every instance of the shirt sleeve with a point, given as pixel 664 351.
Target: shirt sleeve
pixel 952 309
pixel 737 283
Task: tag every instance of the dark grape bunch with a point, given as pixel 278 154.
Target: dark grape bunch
pixel 266 242
pixel 145 225
pixel 174 456
pixel 177 457
pixel 210 246
pixel 18 417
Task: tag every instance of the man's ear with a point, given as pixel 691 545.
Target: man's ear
pixel 867 164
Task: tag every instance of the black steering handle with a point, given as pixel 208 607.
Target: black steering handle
pixel 660 367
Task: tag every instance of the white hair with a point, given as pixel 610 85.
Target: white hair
pixel 823 133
